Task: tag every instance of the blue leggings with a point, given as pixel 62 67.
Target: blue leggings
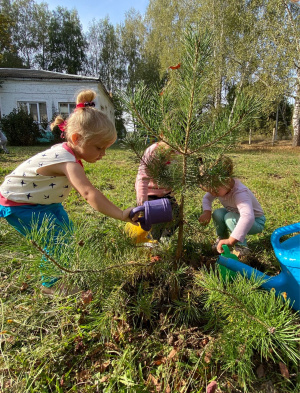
pixel 23 218
pixel 225 221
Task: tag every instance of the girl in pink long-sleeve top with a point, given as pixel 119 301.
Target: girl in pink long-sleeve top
pixel 147 189
pixel 241 215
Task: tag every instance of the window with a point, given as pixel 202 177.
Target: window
pixel 37 110
pixel 66 108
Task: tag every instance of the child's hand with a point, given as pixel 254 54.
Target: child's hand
pixel 140 202
pixel 228 242
pixel 205 217
pixel 127 218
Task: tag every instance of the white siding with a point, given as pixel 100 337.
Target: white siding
pixel 50 91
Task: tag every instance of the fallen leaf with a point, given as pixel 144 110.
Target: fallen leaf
pixel 154 381
pixel 168 389
pixel 24 286
pixel 211 387
pixel 159 360
pixel 102 366
pixel 175 67
pixel 104 379
pixel 172 353
pixel 207 356
pixel 155 258
pixel 260 371
pixel 87 297
pixel 284 371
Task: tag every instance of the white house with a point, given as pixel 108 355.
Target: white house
pixel 46 93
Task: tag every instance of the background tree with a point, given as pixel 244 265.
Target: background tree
pixel 8 52
pixel 103 54
pixel 66 48
pixel 250 43
pixel 25 29
pixel 43 16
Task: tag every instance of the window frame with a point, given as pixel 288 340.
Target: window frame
pixel 22 104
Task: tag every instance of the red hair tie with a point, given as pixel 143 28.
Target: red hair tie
pixel 62 127
pixel 84 104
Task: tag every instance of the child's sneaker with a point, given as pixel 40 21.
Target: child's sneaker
pixel 241 251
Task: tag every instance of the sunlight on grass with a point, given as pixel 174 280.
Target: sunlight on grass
pixel 129 334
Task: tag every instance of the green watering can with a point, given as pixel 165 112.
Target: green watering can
pixel 225 272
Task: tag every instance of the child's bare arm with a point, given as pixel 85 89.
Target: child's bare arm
pixel 92 195
pixel 205 217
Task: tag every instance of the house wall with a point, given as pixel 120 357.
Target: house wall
pixel 50 91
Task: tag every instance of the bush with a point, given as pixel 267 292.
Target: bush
pixel 20 128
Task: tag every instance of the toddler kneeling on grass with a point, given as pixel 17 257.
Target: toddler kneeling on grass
pixel 241 215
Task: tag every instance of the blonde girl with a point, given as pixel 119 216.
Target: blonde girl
pixel 36 189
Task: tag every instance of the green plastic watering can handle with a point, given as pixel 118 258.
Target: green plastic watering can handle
pixel 227 253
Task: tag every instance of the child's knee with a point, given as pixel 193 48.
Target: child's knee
pixel 219 214
pixel 231 219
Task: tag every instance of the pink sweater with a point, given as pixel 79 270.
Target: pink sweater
pixel 238 200
pixel 144 185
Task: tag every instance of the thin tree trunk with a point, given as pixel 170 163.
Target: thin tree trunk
pixel 296 114
pixel 276 124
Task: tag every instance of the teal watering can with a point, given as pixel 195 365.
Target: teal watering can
pixel 288 254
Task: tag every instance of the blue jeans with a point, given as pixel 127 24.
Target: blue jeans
pixel 23 218
pixel 226 221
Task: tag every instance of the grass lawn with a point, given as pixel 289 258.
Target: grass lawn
pixel 125 332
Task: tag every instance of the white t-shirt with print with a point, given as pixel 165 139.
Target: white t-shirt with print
pixel 25 185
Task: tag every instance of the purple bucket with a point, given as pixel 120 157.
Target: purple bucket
pixel 155 212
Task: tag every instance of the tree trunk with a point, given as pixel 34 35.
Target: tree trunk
pixel 296 113
pixel 296 121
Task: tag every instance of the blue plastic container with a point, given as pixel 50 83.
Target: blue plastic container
pixel 287 283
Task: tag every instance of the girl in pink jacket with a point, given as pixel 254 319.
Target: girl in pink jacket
pixel 147 189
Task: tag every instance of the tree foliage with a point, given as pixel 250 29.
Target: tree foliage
pixel 66 48
pixel 182 116
pixel 255 44
pixel 20 128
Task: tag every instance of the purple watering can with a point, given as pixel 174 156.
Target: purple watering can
pixel 288 255
pixel 153 212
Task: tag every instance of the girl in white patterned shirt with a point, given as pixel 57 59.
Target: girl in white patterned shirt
pixel 36 189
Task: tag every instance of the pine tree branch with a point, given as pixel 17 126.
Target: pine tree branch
pixel 243 308
pixel 153 133
pixel 46 254
pixel 220 137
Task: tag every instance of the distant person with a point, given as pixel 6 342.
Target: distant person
pixel 36 189
pixel 241 215
pixel 58 128
pixel 3 142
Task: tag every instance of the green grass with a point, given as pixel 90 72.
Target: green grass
pixel 133 336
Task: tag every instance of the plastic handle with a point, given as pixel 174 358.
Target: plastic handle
pixel 136 210
pixel 227 253
pixel 287 230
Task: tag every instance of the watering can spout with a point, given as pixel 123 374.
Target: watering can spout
pixel 237 266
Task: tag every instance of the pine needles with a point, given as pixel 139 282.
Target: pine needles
pixel 249 321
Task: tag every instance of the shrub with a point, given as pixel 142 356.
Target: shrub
pixel 20 128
